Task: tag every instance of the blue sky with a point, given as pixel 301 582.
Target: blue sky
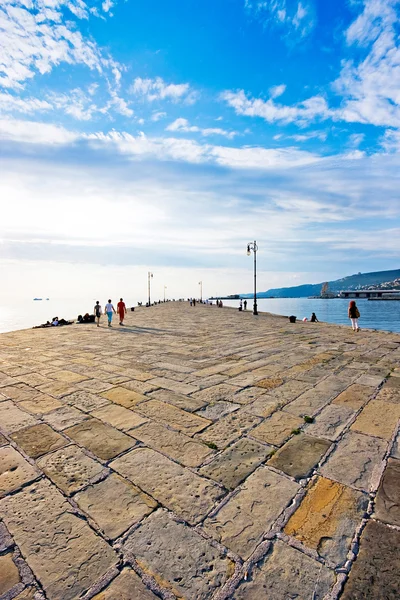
pixel 153 135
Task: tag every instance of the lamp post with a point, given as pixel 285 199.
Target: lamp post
pixel 252 247
pixel 149 276
pixel 165 287
pixel 201 291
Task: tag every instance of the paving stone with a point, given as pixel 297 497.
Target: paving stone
pixel 289 391
pixel 187 403
pixel 355 396
pixel 372 380
pixel 396 447
pixel 178 557
pixel 124 397
pixel 13 418
pixel 3 440
pixel 269 384
pixel 206 382
pixel 141 387
pixel 173 386
pixel 65 417
pixel 9 575
pixel 355 460
pixel 41 404
pixel 387 505
pixel 15 471
pixel 263 406
pixel 69 468
pixel 174 444
pixel 375 573
pixel 174 417
pixel 127 586
pixel 312 400
pixel 101 499
pixel 217 410
pixel 95 386
pixel 378 418
pixel 61 549
pixel 180 490
pixel 331 421
pixel 27 594
pixel 216 393
pixel 247 395
pixel 58 389
pixel 286 573
pixel 387 394
pixel 102 440
pixel 277 428
pixel 19 392
pixel 229 428
pixel 119 417
pixel 33 379
pixel 327 519
pixel 299 455
pixel 68 376
pixel 85 401
pixel 241 523
pixel 237 462
pixel 38 439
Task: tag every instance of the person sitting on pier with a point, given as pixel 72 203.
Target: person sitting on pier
pixel 313 318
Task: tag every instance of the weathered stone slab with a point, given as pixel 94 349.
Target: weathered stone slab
pixel 102 440
pixel 396 447
pixel 216 410
pixel 119 417
pixel 327 519
pixel 3 440
pixel 237 462
pixel 289 391
pixel 85 401
pixel 69 468
pixel 123 396
pixel 247 395
pixel 174 386
pixel 355 461
pixel 216 393
pixel 310 402
pixel 299 455
pixel 9 575
pixel 58 389
pixel 141 387
pixel 277 428
pixel 29 593
pixel 387 394
pixel 174 417
pixel 14 470
pixel 180 490
pixel 286 573
pixel 263 406
pixel 41 404
pixel 178 557
pixel 95 386
pixel 61 549
pixel 375 573
pixel 38 439
pixel 65 417
pixel 205 382
pixel 269 384
pixel 179 400
pixel 33 379
pixel 12 418
pixel 19 392
pixel 127 586
pixel 372 380
pixel 241 523
pixel 229 428
pixel 378 418
pixel 174 444
pixel 387 505
pixel 67 376
pixel 331 421
pixel 114 504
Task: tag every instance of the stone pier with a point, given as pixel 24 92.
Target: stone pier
pixel 199 453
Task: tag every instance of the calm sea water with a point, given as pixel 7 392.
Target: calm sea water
pixel 374 315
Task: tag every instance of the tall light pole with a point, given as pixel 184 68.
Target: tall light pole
pixel 201 291
pixel 149 276
pixel 165 287
pixel 252 247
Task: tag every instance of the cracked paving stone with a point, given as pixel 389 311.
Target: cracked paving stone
pixel 247 395
pixel 237 462
pixel 9 575
pixel 229 428
pixel 173 417
pixel 327 518
pixel 102 440
pixel 119 417
pixel 127 586
pixel 217 410
pixel 100 500
pixel 179 400
pixel 85 400
pixel 216 393
pixel 13 418
pixel 387 505
pixel 177 488
pixel 173 386
pixel 355 461
pixel 289 391
pixel 277 428
pixel 124 397
pixel 14 470
pixel 286 573
pixel 174 444
pixel 355 396
pixel 331 422
pixel 241 523
pixel 375 572
pixel 60 548
pixel 69 468
pixel 378 418
pixel 178 557
pixel 65 417
pixel 299 455
pixel 39 439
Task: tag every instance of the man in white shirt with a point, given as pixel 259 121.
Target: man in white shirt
pixel 109 309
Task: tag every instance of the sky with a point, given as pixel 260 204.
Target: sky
pixel 145 135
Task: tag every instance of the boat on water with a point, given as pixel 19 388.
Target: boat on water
pixel 38 298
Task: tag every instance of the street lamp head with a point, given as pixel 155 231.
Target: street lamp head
pixel 248 250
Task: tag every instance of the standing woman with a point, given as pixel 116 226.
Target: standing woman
pixel 97 312
pixel 109 309
pixel 121 308
pixel 354 315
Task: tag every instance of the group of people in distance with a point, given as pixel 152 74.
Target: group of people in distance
pixel 110 311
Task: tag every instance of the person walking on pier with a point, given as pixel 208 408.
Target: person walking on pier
pixel 109 309
pixel 354 315
pixel 97 312
pixel 121 308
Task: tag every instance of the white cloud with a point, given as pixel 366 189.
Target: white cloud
pixel 107 5
pixel 303 137
pixel 277 90
pixel 156 116
pixel 158 89
pixel 33 132
pixel 183 125
pixel 10 103
pixel 295 18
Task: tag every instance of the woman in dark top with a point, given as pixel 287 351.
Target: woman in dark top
pixel 354 315
pixel 314 318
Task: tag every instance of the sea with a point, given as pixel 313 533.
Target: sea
pixel 382 315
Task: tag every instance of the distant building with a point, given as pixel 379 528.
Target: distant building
pixel 388 294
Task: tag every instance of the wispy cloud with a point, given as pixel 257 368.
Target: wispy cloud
pixel 184 126
pixel 296 19
pixel 158 89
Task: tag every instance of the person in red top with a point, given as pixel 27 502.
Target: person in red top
pixel 121 309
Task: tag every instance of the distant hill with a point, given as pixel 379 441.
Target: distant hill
pixel 360 281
